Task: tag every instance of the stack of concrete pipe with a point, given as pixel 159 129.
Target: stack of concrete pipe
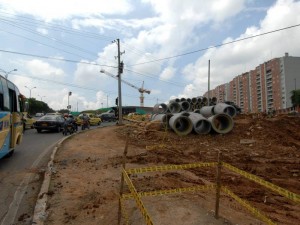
pixel 194 114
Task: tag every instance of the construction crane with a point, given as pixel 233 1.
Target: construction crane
pixel 141 89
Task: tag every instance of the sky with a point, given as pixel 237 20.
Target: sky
pixel 59 47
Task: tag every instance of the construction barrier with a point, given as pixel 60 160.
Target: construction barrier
pixel 171 191
pixel 283 192
pixel 169 167
pixel 247 205
pixel 137 199
pixel 137 195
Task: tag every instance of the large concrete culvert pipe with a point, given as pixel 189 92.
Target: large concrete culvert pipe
pixel 194 101
pixel 207 111
pixel 174 107
pixel 201 125
pixel 225 108
pixel 163 118
pixel 181 124
pixel 214 100
pixel 185 106
pixel 160 108
pixel 175 100
pixel 221 123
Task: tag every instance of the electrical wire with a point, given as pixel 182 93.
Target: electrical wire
pixel 215 46
pixel 74 85
pixel 59 59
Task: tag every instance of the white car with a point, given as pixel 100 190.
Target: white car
pixel 39 114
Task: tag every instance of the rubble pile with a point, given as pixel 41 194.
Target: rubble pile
pixel 194 114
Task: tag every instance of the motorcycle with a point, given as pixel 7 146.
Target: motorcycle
pixel 69 128
pixel 85 124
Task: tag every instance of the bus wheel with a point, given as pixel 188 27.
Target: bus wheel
pixel 10 154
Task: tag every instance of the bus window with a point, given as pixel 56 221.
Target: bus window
pixel 5 95
pixel 1 102
pixel 17 94
pixel 12 101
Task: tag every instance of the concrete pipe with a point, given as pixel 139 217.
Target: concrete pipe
pixel 163 118
pixel 199 100
pixel 207 111
pixel 204 101
pixel 181 124
pixel 182 99
pixel 189 100
pixel 160 108
pixel 174 107
pixel 175 100
pixel 221 123
pixel 197 111
pixel 194 101
pixel 201 125
pixel 225 108
pixel 214 100
pixel 185 106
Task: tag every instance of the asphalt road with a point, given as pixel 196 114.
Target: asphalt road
pixel 21 175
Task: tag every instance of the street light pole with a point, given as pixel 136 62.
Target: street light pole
pixel 42 97
pixel 6 73
pixel 30 90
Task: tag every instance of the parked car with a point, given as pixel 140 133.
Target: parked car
pixel 28 121
pixel 110 117
pixel 93 119
pixel 39 114
pixel 49 122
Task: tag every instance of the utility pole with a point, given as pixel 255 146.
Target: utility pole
pixel 208 94
pixel 120 71
pixel 106 101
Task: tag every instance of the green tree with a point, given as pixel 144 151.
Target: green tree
pixel 36 106
pixel 295 98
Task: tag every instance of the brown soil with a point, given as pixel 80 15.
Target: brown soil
pixel 86 183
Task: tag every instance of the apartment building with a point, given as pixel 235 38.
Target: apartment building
pixel 266 87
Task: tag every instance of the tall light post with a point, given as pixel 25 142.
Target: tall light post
pixel 30 90
pixel 106 101
pixel 42 97
pixel 6 73
pixel 69 107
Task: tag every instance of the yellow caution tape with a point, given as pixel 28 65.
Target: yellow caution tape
pixel 244 203
pixel 155 147
pixel 171 191
pixel 123 211
pixel 137 199
pixel 168 167
pixel 288 194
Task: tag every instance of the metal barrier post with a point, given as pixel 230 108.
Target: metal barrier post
pixel 122 179
pixel 218 185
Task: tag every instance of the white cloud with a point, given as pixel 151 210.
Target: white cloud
pixel 43 69
pixel 167 73
pixel 231 60
pixel 61 10
pixel 42 31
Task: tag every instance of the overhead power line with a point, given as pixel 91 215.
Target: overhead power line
pixel 59 59
pixel 215 46
pixel 74 85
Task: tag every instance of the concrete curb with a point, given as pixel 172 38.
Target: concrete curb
pixel 40 215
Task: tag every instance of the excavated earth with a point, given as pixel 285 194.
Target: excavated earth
pixel 87 174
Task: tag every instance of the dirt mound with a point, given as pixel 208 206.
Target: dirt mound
pixel 85 187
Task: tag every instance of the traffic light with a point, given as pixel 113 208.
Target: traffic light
pixel 117 100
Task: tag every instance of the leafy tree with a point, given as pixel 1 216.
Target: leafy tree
pixel 36 106
pixel 295 98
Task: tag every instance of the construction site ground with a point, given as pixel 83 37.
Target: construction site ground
pixel 85 184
